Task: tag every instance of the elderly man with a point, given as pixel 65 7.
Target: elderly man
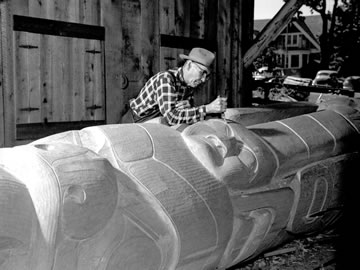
pixel 169 94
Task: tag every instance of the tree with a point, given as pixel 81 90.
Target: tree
pixel 328 27
pixel 267 58
pixel 347 38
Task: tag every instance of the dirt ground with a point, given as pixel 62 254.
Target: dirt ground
pixel 317 252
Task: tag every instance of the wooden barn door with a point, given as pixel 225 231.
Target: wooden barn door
pixel 59 76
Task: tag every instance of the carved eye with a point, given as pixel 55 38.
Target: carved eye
pixel 75 193
pixel 46 147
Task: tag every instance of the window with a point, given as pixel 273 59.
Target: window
pixel 294 62
pixel 288 40
pixel 293 40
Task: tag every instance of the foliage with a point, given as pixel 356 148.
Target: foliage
pixel 340 38
pixel 267 58
pixel 328 25
pixel 346 55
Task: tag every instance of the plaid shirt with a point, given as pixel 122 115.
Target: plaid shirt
pixel 160 95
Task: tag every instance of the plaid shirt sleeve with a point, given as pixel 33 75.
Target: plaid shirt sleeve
pixel 167 97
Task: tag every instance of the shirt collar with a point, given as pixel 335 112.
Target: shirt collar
pixel 180 76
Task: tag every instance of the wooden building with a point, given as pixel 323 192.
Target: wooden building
pixel 66 64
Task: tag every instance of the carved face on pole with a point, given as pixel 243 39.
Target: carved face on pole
pixel 226 157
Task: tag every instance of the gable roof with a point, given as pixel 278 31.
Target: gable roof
pixel 313 23
pixel 304 29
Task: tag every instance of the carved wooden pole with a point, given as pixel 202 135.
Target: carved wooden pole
pixel 147 196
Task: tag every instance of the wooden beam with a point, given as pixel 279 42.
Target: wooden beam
pixel 272 30
pixel 58 28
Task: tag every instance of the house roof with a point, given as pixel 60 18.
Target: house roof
pixel 314 24
pixel 302 26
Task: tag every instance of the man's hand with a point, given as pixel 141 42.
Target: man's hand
pixel 182 104
pixel 219 105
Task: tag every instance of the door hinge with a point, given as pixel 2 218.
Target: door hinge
pixel 29 109
pixel 93 51
pixel 93 107
pixel 26 46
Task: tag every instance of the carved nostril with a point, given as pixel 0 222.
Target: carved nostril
pixel 46 147
pixel 76 194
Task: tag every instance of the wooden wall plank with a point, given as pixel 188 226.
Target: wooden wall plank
pixel 131 47
pixel 197 19
pixel 60 10
pixel 7 75
pixel 20 7
pixel 168 26
pixel 94 86
pixel 182 18
pixel 2 93
pixel 91 12
pixel 167 17
pixel 223 50
pixel 68 72
pixel 48 9
pixel 78 79
pixel 21 76
pixel 150 41
pixel 33 77
pixel 116 84
pixel 101 100
pixel 89 80
pixel 98 111
pixel 233 96
pixel 35 8
pixel 45 79
pixel 210 35
pixel 73 10
pixel 57 77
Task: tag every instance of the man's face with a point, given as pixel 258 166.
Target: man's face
pixel 195 74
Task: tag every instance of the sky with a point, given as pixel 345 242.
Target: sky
pixel 267 9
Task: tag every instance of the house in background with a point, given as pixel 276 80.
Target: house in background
pixel 297 47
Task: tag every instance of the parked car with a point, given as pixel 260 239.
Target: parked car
pixel 352 84
pixel 297 81
pixel 264 73
pixel 327 78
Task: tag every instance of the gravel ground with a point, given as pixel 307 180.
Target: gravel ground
pixel 318 252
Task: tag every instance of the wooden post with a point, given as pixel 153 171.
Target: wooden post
pixel 243 25
pixel 223 78
pixel 7 116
